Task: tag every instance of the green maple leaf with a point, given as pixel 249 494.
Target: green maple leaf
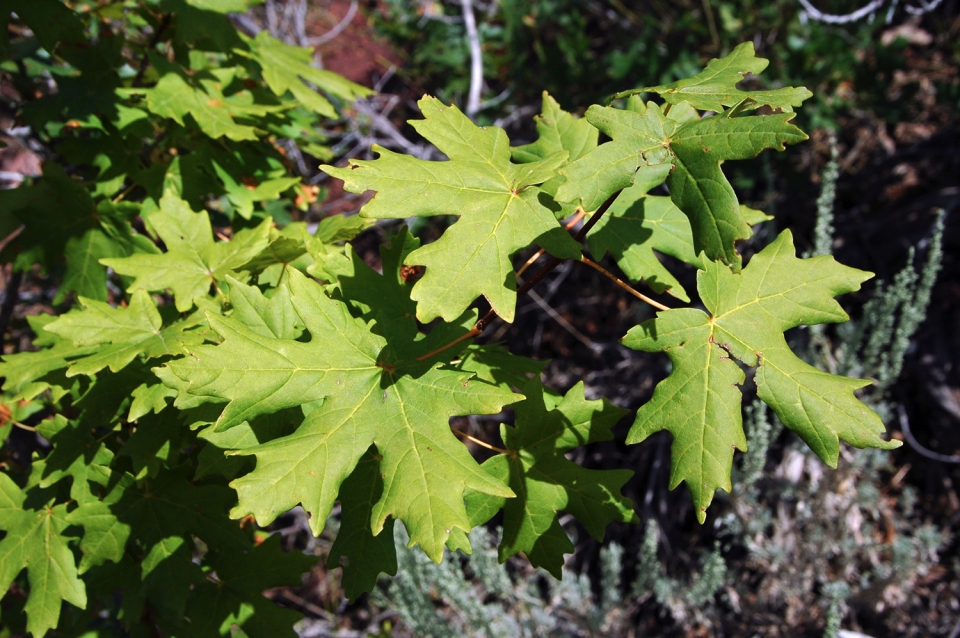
pixel 76 455
pixel 62 227
pixel 636 224
pixel 716 86
pixel 193 261
pixel 147 398
pixel 271 317
pixel 173 98
pixel 694 149
pixel 498 201
pixel 546 482
pixel 244 198
pixel 369 397
pixel 557 131
pixel 223 6
pixel 362 555
pixel 123 333
pixel 236 603
pixel 699 403
pixel 286 68
pixel 34 542
pixel 105 535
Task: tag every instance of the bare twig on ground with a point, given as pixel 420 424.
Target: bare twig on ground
pixel 338 29
pixel 476 59
pixel 912 441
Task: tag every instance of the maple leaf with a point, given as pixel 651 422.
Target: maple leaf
pixel 557 131
pixel 34 542
pixel 694 149
pixel 636 224
pixel 369 398
pixel 173 98
pixel 498 201
pixel 286 67
pixel 546 482
pixel 699 403
pixel 362 555
pixel 193 260
pixel 62 227
pixel 236 601
pixel 716 86
pixel 244 198
pixel 122 333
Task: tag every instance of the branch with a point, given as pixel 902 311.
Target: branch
pixel 338 29
pixel 479 442
pixel 828 18
pixel 925 7
pixel 10 298
pixel 908 435
pixel 154 41
pixel 476 59
pixel 603 271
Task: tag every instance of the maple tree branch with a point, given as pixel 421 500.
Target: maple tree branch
pixel 606 273
pixel 11 296
pixel 479 442
pixel 154 41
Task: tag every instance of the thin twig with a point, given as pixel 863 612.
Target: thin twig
pixel 476 59
pixel 556 316
pixel 11 296
pixel 623 284
pixel 828 18
pixel 908 435
pixel 927 7
pixel 714 36
pixel 464 337
pixel 570 224
pixel 479 442
pixel 338 29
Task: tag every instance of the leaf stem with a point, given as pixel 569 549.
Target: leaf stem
pixel 23 426
pixel 570 224
pixel 469 335
pixel 603 271
pixel 479 442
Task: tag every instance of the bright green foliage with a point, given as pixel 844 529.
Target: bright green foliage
pixel 557 131
pixel 285 68
pixel 716 86
pixel 193 261
pixel 498 201
pixel 699 402
pixel 130 332
pixel 34 542
pixel 545 482
pixel 208 378
pixel 172 97
pixel 694 150
pixel 369 398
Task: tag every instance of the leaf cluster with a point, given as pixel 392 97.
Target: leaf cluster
pixel 242 366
